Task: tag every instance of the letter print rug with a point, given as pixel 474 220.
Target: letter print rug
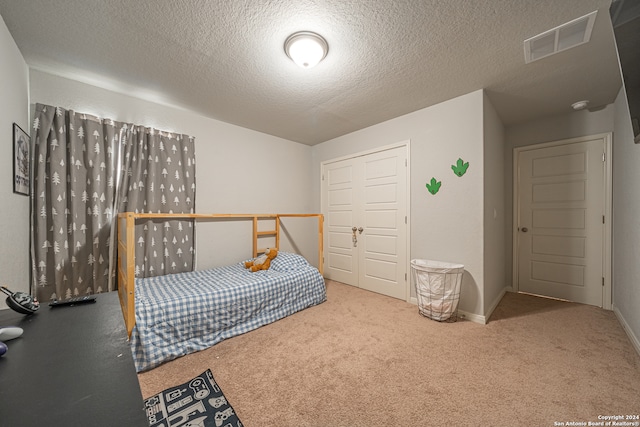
pixel 197 403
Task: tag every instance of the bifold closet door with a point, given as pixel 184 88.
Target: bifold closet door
pixel 365 201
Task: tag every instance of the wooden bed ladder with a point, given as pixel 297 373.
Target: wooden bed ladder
pixel 276 233
pixel 257 234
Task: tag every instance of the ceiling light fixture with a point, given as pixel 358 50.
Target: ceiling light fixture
pixel 580 105
pixel 306 48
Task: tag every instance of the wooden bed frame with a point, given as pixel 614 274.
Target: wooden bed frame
pixel 127 239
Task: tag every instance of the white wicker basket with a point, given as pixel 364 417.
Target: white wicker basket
pixel 437 288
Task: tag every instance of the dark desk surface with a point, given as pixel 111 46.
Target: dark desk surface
pixel 71 367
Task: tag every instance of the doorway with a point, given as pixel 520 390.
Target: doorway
pixel 365 201
pixel 562 204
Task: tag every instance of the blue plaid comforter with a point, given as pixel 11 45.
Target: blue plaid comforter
pixel 178 314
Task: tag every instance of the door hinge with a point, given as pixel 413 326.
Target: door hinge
pixel 405 219
pixel 405 162
pixel 604 157
pixel 405 277
pixel 603 219
pixel 603 281
pixel 323 177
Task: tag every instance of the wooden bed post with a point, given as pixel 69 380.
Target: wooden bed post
pixel 126 268
pixel 131 275
pixel 321 244
pixel 255 236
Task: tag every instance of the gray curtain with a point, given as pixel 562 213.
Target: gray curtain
pixel 72 203
pixel 81 166
pixel 158 176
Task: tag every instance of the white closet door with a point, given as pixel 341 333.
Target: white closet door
pixel 339 209
pixel 369 193
pixel 382 212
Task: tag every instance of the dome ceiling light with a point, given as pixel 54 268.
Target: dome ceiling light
pixel 306 48
pixel 580 105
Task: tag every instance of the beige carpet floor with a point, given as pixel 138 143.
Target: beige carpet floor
pixel 363 359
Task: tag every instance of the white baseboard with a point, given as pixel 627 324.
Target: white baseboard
pixel 634 340
pixel 495 304
pixel 476 318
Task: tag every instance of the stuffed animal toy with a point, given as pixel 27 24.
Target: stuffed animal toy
pixel 263 262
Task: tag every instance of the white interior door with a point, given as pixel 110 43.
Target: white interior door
pixel 365 206
pixel 561 206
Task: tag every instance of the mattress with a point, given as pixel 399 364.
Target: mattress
pixel 178 314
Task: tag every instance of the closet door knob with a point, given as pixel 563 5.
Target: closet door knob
pixel 524 229
pixel 360 230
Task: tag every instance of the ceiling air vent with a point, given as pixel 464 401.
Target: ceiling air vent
pixel 561 38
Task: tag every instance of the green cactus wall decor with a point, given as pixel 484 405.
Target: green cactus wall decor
pixel 460 168
pixel 434 186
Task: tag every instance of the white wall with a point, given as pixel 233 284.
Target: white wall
pixel 447 226
pixel 494 212
pixel 238 170
pixel 626 222
pixel 571 125
pixel 14 210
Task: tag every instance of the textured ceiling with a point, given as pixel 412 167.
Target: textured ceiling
pixel 225 59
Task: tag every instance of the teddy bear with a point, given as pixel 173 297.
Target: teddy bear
pixel 263 262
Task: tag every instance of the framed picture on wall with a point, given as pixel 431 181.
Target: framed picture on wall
pixel 20 161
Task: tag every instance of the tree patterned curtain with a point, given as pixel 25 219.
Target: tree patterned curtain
pixel 77 162
pixel 72 202
pixel 158 176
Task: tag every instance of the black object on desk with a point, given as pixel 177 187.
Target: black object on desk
pixel 71 367
pixel 73 301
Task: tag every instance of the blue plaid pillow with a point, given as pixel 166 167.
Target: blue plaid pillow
pixel 286 261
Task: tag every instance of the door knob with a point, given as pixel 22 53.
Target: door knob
pixel 360 230
pixel 354 229
pixel 524 229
